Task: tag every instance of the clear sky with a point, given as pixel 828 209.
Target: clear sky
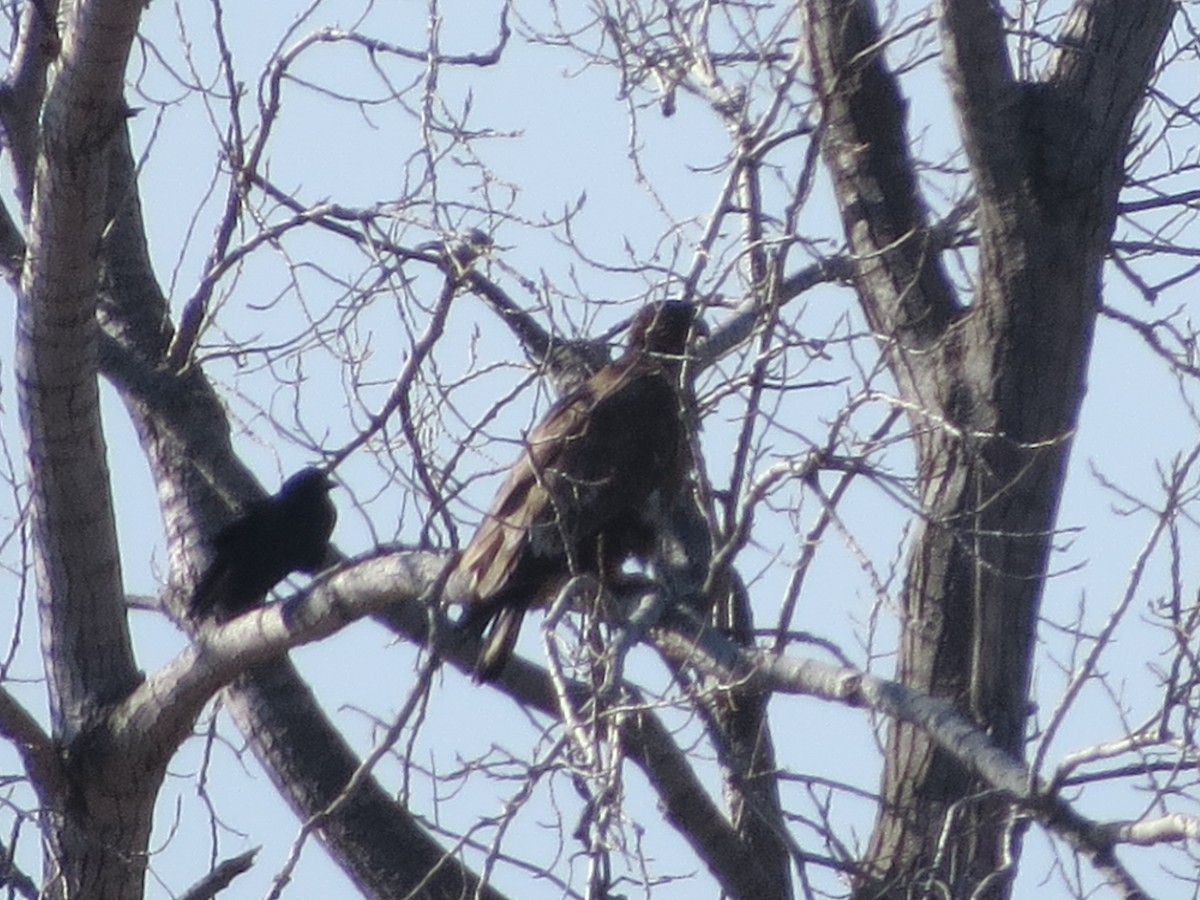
pixel 555 137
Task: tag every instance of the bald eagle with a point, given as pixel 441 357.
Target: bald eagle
pixel 581 496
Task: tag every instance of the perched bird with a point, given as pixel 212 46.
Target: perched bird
pixel 581 496
pixel 460 251
pixel 288 532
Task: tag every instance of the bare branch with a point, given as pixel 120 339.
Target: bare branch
pixel 972 748
pixel 221 877
pixel 166 704
pixel 37 749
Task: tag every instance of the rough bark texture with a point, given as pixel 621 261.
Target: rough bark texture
pixel 183 428
pixel 99 813
pixel 86 642
pixel 992 389
pixel 99 806
pixel 386 854
pixel 741 731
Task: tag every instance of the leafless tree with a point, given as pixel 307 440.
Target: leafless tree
pixel 908 227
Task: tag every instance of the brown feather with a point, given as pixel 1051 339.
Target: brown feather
pixel 581 486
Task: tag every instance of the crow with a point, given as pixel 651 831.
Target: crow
pixel 288 532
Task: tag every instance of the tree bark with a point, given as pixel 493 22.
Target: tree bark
pixel 182 426
pixel 991 386
pixel 992 389
pixel 740 729
pixel 386 853
pixel 86 643
pixel 99 812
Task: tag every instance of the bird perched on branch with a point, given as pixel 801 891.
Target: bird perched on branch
pixel 286 533
pixel 459 251
pixel 582 496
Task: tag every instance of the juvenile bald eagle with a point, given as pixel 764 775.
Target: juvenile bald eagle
pixel 579 498
pixel 287 532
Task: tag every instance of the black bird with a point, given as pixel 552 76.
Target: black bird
pixel 288 532
pixel 581 497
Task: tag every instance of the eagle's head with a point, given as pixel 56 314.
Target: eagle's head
pixel 664 327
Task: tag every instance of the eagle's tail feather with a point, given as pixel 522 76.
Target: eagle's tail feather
pixel 498 644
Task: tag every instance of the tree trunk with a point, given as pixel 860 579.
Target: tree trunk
pixel 992 389
pixel 99 830
pixel 85 640
pixel 182 427
pixel 100 803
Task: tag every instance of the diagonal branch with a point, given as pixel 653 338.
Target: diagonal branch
pixel 38 44
pixel 687 642
pixel 37 750
pixel 900 280
pixel 186 436
pixel 307 758
pixel 221 877
pixel 645 741
pixel 392 585
pixel 162 709
pixel 987 100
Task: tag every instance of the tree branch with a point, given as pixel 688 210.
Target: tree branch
pixel 390 584
pixel 183 427
pixel 36 748
pixel 900 280
pixel 645 741
pixel 162 709
pixel 1104 58
pixel 88 650
pixel 687 642
pixel 986 99
pixel 221 877
pixel 14 879
pixel 38 44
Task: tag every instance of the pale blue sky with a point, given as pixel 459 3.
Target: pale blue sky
pixel 560 134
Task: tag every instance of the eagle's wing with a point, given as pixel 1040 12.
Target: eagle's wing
pixel 523 500
pixel 596 454
pixel 575 494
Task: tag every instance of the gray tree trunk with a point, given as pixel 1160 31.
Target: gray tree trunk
pixel 99 773
pixel 992 386
pixel 97 797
